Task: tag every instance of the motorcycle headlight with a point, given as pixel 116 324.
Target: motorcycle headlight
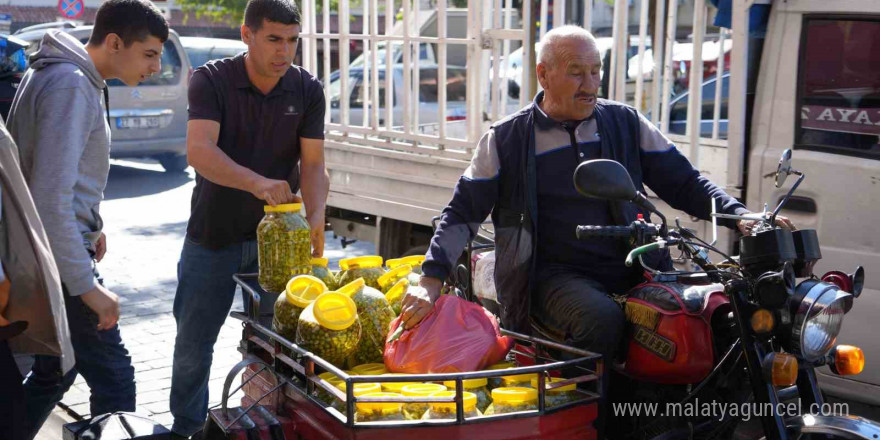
pixel 818 317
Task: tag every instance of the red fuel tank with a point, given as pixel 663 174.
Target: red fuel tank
pixel 669 331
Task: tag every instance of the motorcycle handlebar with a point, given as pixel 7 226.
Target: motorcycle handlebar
pixel 586 232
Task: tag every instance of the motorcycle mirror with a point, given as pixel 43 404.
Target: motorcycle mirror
pixel 858 281
pixel 784 168
pixel 604 179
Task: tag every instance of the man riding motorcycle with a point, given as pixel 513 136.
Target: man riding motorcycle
pixel 522 171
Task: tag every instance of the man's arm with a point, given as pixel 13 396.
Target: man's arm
pixel 54 175
pixel 669 174
pixel 203 154
pixel 315 187
pixel 474 197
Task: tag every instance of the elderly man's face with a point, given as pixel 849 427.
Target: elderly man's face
pixel 572 82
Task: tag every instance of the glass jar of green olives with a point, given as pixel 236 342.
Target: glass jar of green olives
pixel 321 272
pixel 329 327
pixel 283 246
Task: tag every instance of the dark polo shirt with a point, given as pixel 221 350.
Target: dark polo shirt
pixel 257 131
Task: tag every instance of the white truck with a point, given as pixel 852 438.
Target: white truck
pixel 814 88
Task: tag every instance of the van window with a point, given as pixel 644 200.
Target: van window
pixel 168 75
pixel 358 93
pixel 839 87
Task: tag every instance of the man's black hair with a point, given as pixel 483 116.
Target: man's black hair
pixel 132 20
pixel 278 11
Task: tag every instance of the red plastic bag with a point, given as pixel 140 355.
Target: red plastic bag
pixel 456 336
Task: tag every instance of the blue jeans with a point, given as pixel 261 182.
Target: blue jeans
pixel 205 291
pixel 101 358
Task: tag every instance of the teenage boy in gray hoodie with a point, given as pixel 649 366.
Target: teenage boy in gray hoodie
pixel 59 119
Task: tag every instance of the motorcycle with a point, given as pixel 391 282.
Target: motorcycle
pixel 727 350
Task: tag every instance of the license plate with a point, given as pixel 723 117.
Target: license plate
pixel 137 122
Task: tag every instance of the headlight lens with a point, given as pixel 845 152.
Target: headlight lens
pixel 819 319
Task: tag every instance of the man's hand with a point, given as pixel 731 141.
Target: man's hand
pixel 105 304
pixel 419 301
pixel 274 192
pixel 101 248
pixel 5 287
pixel 316 225
pixel 746 226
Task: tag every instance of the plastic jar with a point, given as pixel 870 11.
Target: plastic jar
pixel 446 411
pixel 283 246
pixel 329 327
pixel 495 382
pixel 415 410
pixel 299 293
pixel 359 390
pixel 379 411
pixel 375 315
pixel 476 386
pixel 395 387
pixel 369 268
pixel 518 380
pixel 557 396
pixel 321 272
pixel 415 261
pixel 512 399
pixel 387 280
pixel 395 295
pixel 370 369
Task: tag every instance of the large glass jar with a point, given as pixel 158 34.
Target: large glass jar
pixel 512 399
pixel 334 380
pixel 518 380
pixel 478 388
pixel 299 293
pixel 446 410
pixel 369 268
pixel 415 410
pixel 321 272
pixel 284 246
pixel 379 411
pixel 329 327
pixel 557 396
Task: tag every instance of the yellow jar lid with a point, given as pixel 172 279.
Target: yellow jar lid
pixel 395 387
pixel 285 207
pixel 393 275
pixel 385 407
pixel 397 290
pixel 328 376
pixel 468 399
pixel 550 380
pixel 422 389
pixel 365 262
pixel 370 369
pixel 334 310
pixel 412 260
pixel 320 262
pixel 514 395
pixel 501 366
pixel 517 378
pixel 303 289
pixel 352 287
pixel 468 383
pixel 360 388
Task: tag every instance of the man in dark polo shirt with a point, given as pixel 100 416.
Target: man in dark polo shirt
pixel 252 119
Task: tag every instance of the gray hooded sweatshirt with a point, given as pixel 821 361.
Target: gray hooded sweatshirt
pixel 58 121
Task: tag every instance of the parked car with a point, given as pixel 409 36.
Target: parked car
pixel 456 94
pixel 200 50
pixel 678 109
pixel 147 121
pixel 13 64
